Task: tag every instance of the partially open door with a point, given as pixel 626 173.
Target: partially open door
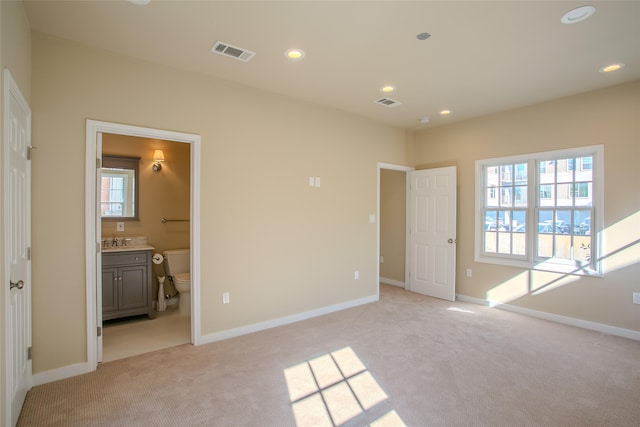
pixel 431 239
pixel 17 249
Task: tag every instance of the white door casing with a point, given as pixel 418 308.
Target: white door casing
pixel 98 237
pixel 17 229
pixel 393 167
pixel 431 239
pixel 94 131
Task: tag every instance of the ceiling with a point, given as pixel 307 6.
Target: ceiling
pixel 482 56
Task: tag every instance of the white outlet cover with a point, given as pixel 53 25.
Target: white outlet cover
pixel 317 181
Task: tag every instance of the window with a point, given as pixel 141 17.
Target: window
pixel 119 187
pixel 536 210
pixel 113 193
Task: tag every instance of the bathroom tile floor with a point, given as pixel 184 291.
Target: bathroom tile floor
pixel 138 334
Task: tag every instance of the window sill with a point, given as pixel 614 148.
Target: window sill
pixel 548 266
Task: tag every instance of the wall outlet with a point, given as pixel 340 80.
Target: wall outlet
pixel 119 226
pixel 469 272
pixel 356 274
pixel 381 259
pixel 225 297
pixel 636 297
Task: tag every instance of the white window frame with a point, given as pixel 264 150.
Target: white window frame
pixel 529 260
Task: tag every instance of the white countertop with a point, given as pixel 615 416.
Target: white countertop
pixel 128 248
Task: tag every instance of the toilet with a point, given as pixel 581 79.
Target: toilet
pixel 177 264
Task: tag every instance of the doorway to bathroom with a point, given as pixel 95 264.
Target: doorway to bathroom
pixel 161 222
pixel 164 215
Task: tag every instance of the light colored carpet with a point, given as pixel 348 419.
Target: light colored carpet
pixel 406 360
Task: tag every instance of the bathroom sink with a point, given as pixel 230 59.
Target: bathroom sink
pixel 128 248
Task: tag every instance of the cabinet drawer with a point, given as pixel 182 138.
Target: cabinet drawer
pixel 125 258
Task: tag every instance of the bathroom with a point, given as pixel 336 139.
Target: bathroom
pixel 163 212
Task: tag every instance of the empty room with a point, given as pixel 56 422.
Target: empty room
pixel 320 213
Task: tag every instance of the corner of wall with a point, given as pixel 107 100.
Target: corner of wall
pixel 410 145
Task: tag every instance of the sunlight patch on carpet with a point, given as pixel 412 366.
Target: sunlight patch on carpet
pixel 334 388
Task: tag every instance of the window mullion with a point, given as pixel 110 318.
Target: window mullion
pixel 533 195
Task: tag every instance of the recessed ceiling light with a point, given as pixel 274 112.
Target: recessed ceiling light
pixel 445 112
pixel 423 36
pixel 611 68
pixel 387 89
pixel 139 2
pixel 424 119
pixel 294 54
pixel 578 14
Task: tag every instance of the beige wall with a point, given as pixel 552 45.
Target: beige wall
pixel 393 201
pixel 277 245
pixel 163 194
pixel 610 117
pixel 15 55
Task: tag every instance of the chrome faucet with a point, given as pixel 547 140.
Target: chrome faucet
pixel 114 242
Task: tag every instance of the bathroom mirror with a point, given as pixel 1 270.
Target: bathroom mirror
pixel 119 188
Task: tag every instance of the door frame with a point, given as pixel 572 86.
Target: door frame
pixel 394 167
pixel 11 89
pixel 94 129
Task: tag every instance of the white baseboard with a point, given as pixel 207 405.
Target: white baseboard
pixel 257 327
pixel 61 373
pixel 392 282
pixel 584 324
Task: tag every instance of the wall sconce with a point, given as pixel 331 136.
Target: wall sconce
pixel 158 158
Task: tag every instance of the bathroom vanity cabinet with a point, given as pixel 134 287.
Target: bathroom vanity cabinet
pixel 126 284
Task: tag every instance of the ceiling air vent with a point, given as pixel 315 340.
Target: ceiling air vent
pixel 388 102
pixel 232 51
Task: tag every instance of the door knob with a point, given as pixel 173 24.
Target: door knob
pixel 450 240
pixel 19 284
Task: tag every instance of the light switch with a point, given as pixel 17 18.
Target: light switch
pixel 119 226
pixel 312 181
pixel 372 219
pixel 317 181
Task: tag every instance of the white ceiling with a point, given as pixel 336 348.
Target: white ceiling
pixel 482 56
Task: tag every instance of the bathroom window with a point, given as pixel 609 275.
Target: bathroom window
pixel 119 187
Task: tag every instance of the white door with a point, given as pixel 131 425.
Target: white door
pixel 17 223
pixel 431 215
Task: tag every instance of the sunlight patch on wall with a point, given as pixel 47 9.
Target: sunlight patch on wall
pixel 543 281
pixel 512 289
pixel 334 388
pixel 622 244
pixel 622 248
